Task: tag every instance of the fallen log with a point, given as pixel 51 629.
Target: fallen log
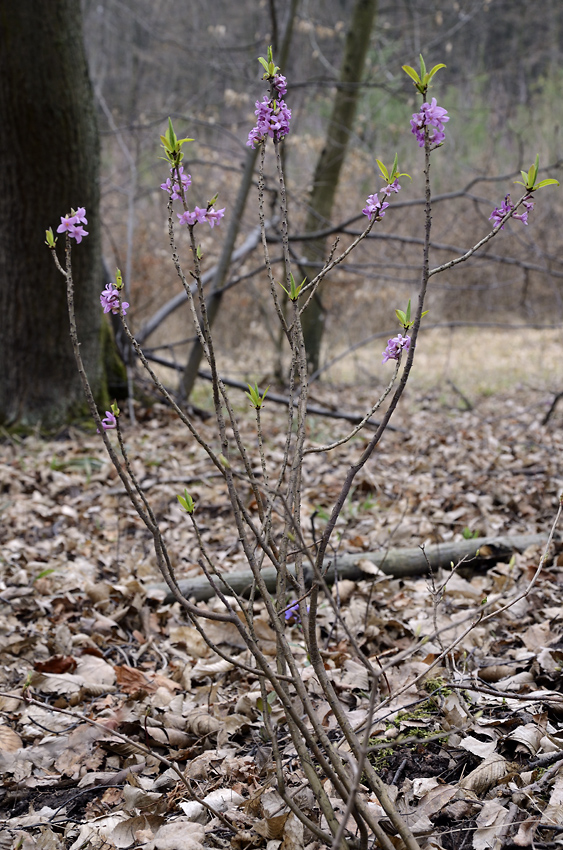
pixel 397 563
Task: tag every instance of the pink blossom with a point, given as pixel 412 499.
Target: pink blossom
pixel 395 347
pixel 172 186
pixel 109 300
pixel 109 422
pixel 374 207
pixel 72 224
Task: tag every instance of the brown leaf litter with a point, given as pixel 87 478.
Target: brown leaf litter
pixel 470 743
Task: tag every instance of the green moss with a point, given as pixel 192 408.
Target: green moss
pixel 431 686
pixel 379 759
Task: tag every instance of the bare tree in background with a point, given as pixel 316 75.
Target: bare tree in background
pixel 331 160
pixel 50 160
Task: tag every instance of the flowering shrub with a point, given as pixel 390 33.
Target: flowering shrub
pixel 272 113
pixel 274 532
pixel 177 190
pixel 506 207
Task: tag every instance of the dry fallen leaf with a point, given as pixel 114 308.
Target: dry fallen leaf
pixel 10 741
pixel 490 821
pixel 485 775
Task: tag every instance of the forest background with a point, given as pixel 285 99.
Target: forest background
pixel 197 63
pixel 85 623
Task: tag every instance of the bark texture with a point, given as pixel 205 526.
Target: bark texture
pixel 49 151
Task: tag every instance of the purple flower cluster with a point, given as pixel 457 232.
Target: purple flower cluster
pixel 499 213
pixel 272 116
pixel 211 216
pixel 280 84
pixel 109 422
pixel 395 347
pixel 110 301
pixel 172 186
pixel 374 206
pixel 391 187
pixel 72 224
pixel 432 116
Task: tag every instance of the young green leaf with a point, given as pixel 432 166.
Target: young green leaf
pixel 412 74
pixel 382 168
pixel 186 502
pixel 434 69
pixel 255 397
pixel 422 68
pixel 549 182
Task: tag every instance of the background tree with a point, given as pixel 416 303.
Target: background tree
pixel 281 54
pixel 50 162
pixel 146 59
pixel 331 160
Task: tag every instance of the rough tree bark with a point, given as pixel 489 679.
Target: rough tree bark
pixel 331 160
pixel 49 151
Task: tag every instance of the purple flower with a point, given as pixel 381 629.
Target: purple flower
pixel 432 116
pixel 280 84
pixel 499 213
pixel 72 224
pixel 523 217
pixel 391 187
pixel 214 216
pixel 76 231
pixel 109 300
pixel 200 214
pixel 211 216
pixel 292 611
pixel 395 347
pixel 273 117
pixel 109 422
pixel 67 222
pixel 436 116
pixel 172 187
pixel 374 207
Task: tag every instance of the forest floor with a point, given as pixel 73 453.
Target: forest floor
pixel 470 748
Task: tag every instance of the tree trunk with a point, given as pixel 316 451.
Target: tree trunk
pixel 49 150
pixel 331 160
pixel 397 563
pixel 213 303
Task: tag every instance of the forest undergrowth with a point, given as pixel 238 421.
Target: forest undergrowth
pixel 468 742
